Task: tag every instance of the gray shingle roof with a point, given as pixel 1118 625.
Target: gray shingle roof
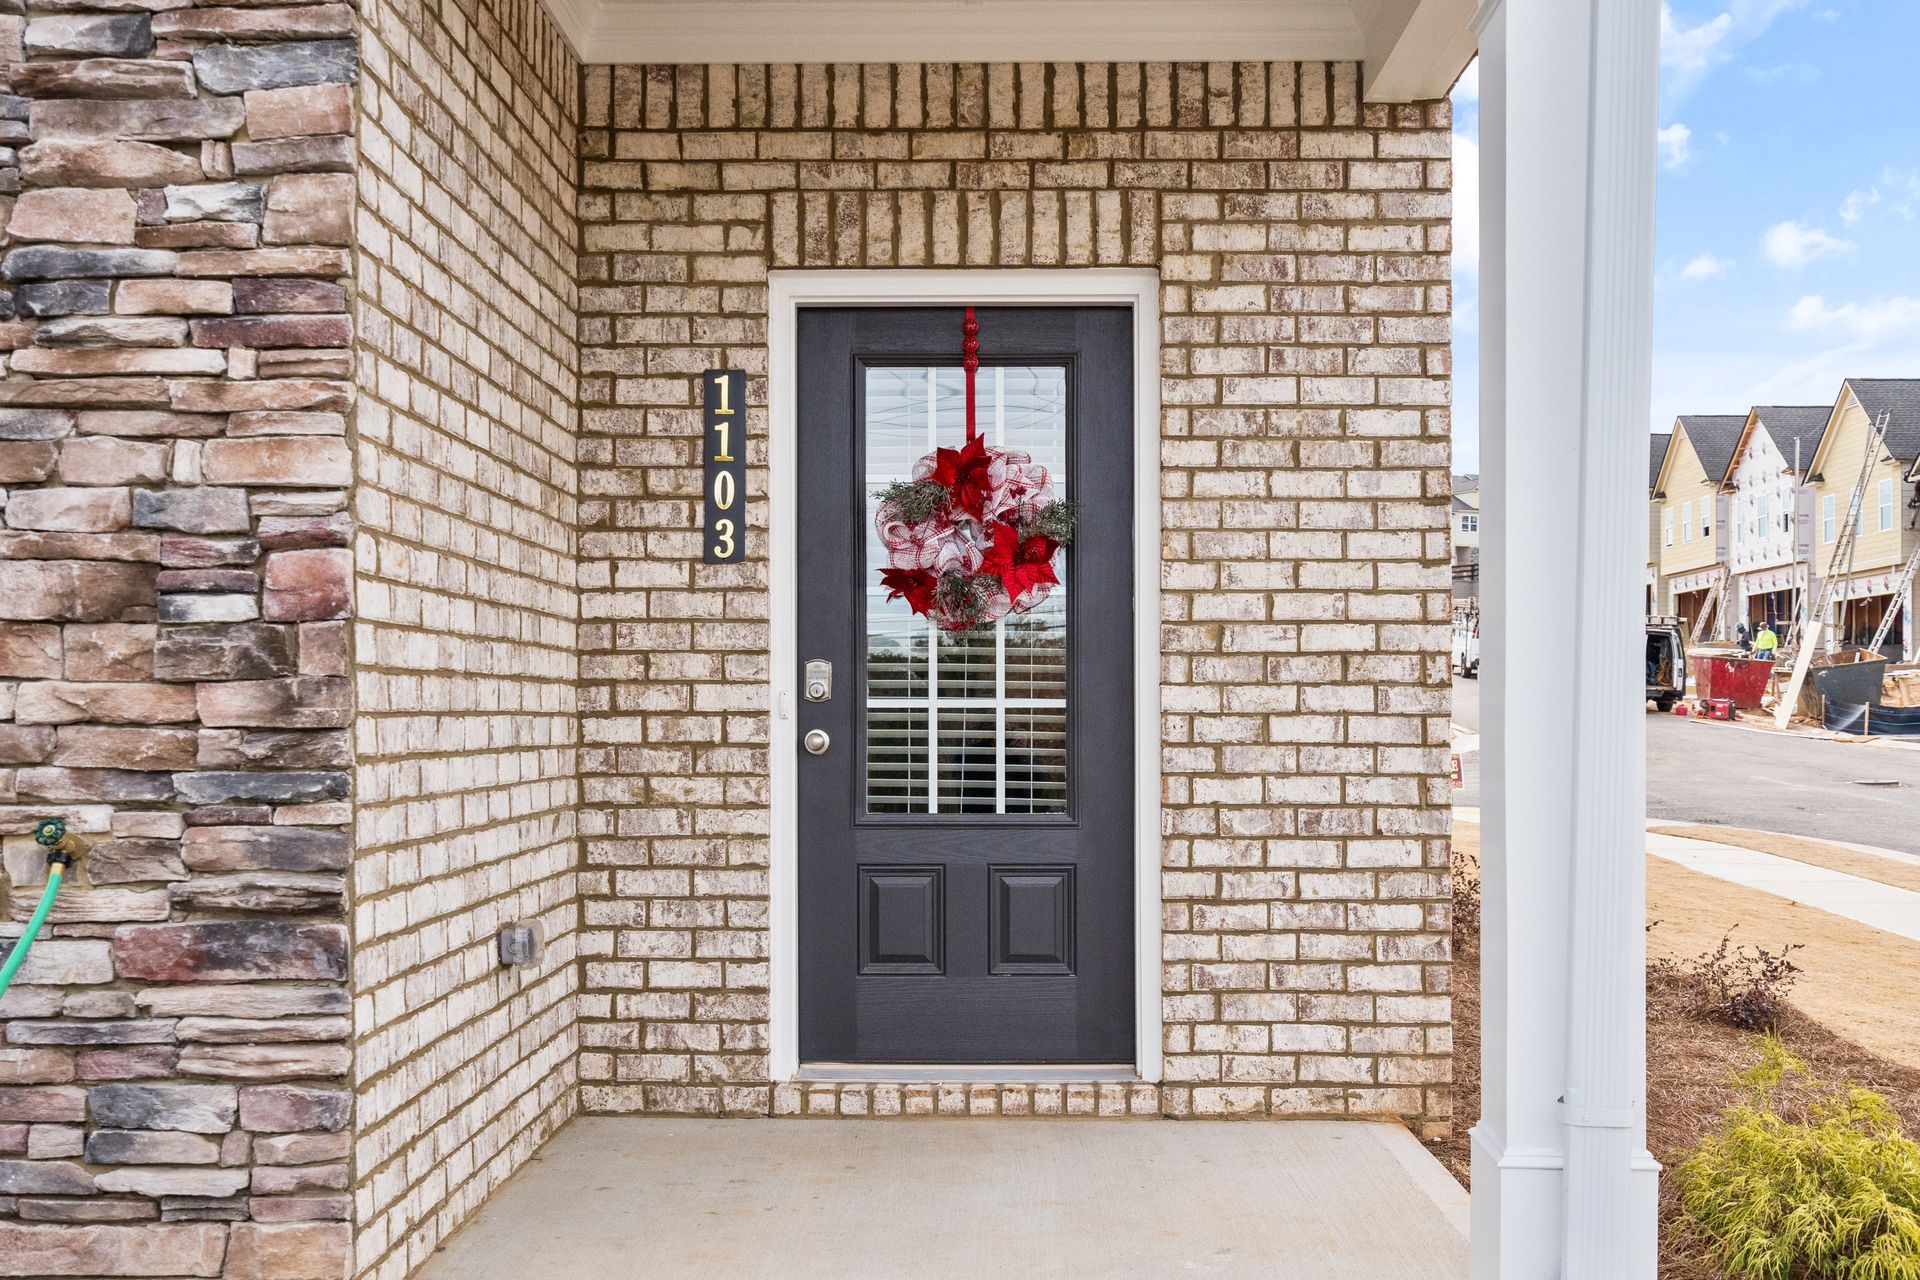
pixel 1790 423
pixel 1657 456
pixel 1714 438
pixel 1461 504
pixel 1899 398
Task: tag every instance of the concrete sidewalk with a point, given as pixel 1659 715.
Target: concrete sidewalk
pixel 614 1198
pixel 1868 902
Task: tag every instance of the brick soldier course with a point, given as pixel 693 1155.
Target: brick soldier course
pixel 389 318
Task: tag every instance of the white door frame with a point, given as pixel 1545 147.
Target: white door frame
pixel 787 292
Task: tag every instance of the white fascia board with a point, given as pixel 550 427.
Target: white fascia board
pixel 1412 48
pixel 662 31
pixel 1415 49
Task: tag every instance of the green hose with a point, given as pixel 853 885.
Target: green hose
pixel 51 833
pixel 18 955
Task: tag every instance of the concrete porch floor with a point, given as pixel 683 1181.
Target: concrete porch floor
pixel 904 1200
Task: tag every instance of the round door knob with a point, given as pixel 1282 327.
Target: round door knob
pixel 816 742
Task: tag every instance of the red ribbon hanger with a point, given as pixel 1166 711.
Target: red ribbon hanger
pixel 970 361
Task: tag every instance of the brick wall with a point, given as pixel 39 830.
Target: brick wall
pixel 174 583
pixel 561 712
pixel 465 641
pixel 1302 242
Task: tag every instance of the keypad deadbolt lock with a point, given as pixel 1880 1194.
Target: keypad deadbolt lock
pixel 818 685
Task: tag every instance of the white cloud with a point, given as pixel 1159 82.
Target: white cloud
pixel 1857 203
pixel 1878 338
pixel 1467 87
pixel 1676 147
pixel 1867 323
pixel 1798 72
pixel 1898 189
pixel 1690 52
pixel 1905 186
pixel 1466 315
pixel 1705 266
pixel 1792 244
pixel 1466 207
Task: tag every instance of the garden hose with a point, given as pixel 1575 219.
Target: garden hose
pixel 51 833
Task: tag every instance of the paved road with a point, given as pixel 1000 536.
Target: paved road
pixel 1715 773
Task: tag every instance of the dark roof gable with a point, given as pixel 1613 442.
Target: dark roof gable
pixel 1795 423
pixel 1714 438
pixel 1657 456
pixel 1899 399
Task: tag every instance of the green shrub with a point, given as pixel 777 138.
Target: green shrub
pixel 1830 1189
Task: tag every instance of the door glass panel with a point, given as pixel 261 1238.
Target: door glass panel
pixel 974 723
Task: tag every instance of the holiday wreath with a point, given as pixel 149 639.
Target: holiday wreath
pixel 972 537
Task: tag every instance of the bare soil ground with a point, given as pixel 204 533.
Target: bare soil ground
pixel 1855 980
pixel 1691 1062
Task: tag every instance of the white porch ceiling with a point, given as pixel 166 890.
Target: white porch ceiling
pixel 1410 48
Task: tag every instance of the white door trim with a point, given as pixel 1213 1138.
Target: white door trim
pixel 787 292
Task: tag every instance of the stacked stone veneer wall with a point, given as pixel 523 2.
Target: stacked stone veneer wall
pixel 175 579
pixel 1301 238
pixel 466 638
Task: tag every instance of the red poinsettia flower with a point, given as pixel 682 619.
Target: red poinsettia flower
pixel 1020 564
pixel 914 585
pixel 965 473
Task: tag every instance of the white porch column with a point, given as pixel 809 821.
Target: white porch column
pixel 1562 1183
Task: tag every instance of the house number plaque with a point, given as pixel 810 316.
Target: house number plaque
pixel 725 492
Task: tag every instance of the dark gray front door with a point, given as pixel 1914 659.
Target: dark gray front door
pixel 966 839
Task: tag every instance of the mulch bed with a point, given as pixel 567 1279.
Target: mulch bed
pixel 1691 1062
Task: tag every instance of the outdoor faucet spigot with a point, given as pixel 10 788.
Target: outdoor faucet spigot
pixel 61 845
pixel 52 835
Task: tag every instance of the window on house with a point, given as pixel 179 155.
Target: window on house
pixel 1828 525
pixel 1706 517
pixel 963 722
pixel 1469 524
pixel 1766 515
pixel 1686 522
pixel 1666 527
pixel 1886 505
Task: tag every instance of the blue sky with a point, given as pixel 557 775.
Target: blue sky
pixel 1787 250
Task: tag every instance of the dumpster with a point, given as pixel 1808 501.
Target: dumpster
pixel 1738 679
pixel 1852 676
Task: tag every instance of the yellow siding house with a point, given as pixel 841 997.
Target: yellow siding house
pixel 1689 494
pixel 1656 462
pixel 1864 588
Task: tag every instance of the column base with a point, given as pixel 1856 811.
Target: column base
pixel 1519 1203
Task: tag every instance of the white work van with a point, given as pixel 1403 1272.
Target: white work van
pixel 1466 643
pixel 1666 660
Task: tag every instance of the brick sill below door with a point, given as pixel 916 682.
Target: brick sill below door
pixel 991 1073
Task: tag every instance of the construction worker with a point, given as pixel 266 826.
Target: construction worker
pixel 1766 644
